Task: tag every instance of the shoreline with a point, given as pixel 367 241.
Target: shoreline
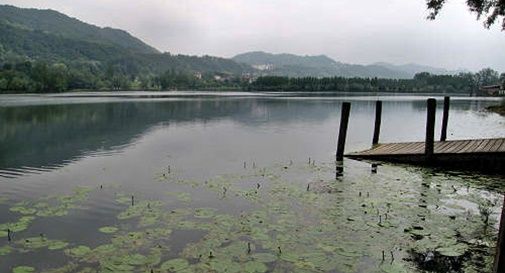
pixel 499 109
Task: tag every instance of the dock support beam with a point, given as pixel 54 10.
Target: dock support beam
pixel 344 121
pixel 430 128
pixel 499 260
pixel 445 119
pixel 377 127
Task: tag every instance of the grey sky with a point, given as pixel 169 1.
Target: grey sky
pixel 354 31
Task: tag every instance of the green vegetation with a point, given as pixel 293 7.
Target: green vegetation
pixel 58 77
pixel 46 51
pixel 350 226
pixel 492 10
pixel 422 82
pixel 500 109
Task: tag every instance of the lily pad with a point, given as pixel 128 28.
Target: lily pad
pixel 394 268
pixel 453 251
pixel 79 251
pixel 265 257
pixel 175 265
pixel 255 267
pixel 204 212
pixel 23 269
pixel 5 250
pixel 23 210
pixel 108 230
pixel 57 245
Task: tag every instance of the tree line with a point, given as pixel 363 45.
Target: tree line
pixel 422 82
pixel 43 77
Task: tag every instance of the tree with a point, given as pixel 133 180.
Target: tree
pixel 492 10
pixel 502 79
pixel 486 76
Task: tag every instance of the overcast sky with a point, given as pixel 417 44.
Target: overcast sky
pixel 354 31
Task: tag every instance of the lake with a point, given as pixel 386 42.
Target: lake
pixel 235 182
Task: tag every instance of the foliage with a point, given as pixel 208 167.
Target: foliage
pixel 492 10
pixel 46 51
pixel 422 82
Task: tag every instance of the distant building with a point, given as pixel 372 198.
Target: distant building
pixel 263 67
pixel 492 90
pixel 248 77
pixel 198 75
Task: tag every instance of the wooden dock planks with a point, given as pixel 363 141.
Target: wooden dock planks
pixel 494 145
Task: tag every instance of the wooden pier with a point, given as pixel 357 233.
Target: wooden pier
pixel 473 154
pixel 477 153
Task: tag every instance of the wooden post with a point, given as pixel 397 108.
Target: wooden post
pixel 378 117
pixel 344 121
pixel 499 260
pixel 445 119
pixel 339 169
pixel 430 127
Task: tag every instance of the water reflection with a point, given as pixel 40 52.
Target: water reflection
pixel 45 137
pixel 235 162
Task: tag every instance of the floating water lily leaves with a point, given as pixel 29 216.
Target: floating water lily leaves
pixel 265 257
pixel 79 251
pixel 204 212
pixel 115 264
pixel 23 210
pixel 454 250
pixel 255 267
pixel 57 245
pixel 23 269
pixel 221 265
pixel 4 250
pixel 18 226
pixel 136 259
pixel 394 268
pixel 175 265
pixel 108 230
pixel 41 242
pixel 284 226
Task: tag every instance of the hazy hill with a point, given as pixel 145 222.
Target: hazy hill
pixel 54 37
pixel 323 66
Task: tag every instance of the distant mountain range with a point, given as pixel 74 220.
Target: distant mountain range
pixel 323 66
pixel 33 34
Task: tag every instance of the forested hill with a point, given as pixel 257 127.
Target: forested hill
pixel 47 51
pixel 322 66
pixel 53 22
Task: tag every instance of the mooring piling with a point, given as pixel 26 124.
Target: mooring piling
pixel 445 119
pixel 344 122
pixel 430 128
pixel 377 127
pixel 374 168
pixel 499 260
pixel 339 169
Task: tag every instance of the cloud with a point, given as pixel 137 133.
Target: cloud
pixel 364 31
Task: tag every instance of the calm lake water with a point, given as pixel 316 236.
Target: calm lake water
pixel 213 182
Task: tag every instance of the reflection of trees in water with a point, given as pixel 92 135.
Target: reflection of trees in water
pixel 50 134
pixel 47 135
